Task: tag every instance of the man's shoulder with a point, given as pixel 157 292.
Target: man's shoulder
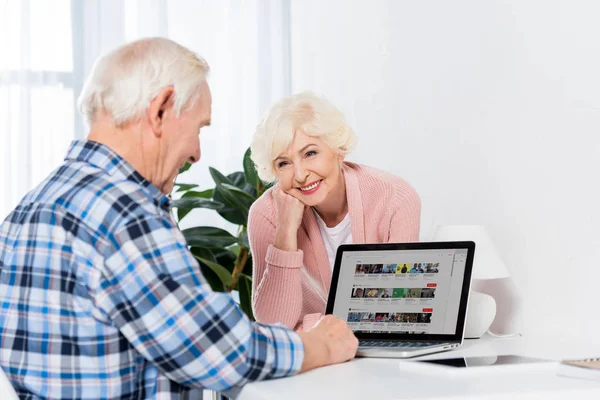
pixel 94 198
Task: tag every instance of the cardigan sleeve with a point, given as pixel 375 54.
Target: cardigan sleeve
pixel 276 275
pixel 406 217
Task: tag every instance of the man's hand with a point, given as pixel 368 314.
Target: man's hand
pixel 329 342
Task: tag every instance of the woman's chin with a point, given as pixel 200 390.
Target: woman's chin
pixel 312 200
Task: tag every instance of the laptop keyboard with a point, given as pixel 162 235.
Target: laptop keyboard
pixel 387 343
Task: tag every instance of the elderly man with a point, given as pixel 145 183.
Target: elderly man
pixel 100 296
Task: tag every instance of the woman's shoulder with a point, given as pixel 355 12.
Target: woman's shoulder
pixel 263 206
pixel 375 181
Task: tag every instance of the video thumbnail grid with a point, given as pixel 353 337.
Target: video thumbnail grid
pixel 392 293
pixel 397 269
pixel 405 318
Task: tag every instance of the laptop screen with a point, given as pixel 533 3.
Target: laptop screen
pixel 411 291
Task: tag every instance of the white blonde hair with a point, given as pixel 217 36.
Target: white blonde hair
pixel 124 81
pixel 307 111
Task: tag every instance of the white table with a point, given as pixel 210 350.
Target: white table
pixel 370 378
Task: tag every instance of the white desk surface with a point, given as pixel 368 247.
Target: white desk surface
pixel 371 378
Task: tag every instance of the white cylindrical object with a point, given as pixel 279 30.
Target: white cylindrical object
pixel 481 312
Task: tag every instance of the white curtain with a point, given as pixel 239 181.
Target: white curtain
pixel 36 93
pixel 48 48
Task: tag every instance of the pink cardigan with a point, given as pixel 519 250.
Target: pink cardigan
pixel 292 287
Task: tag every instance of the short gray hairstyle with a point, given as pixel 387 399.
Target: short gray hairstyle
pixel 313 114
pixel 124 81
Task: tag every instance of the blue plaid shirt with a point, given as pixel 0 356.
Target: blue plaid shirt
pixel 101 297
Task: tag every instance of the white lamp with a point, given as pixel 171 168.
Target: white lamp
pixel 487 264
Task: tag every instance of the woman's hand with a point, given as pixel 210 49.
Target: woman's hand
pixel 289 211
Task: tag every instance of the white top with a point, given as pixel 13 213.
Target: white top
pixel 335 236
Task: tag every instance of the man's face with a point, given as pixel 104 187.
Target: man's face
pixel 181 139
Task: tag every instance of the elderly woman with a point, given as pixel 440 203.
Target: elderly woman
pixel 319 202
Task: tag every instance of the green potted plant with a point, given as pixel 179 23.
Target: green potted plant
pixel 225 259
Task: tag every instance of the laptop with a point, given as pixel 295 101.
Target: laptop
pixel 403 299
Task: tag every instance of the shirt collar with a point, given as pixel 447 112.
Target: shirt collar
pixel 102 157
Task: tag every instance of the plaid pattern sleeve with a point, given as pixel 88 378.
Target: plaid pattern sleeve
pixel 151 289
pixel 101 298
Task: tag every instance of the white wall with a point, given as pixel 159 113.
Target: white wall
pixel 492 111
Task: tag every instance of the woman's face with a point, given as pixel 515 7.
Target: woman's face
pixel 309 169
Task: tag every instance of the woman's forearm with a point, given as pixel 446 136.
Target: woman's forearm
pixel 278 296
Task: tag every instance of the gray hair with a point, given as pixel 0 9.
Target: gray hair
pixel 124 81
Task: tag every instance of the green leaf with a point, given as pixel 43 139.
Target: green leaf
pixel 239 198
pixel 226 258
pixel 182 211
pixel 219 177
pixel 205 194
pixel 222 273
pixel 250 170
pixel 245 289
pixel 230 213
pixel 234 211
pixel 248 267
pixel 239 180
pixel 203 253
pixel 190 203
pixel 211 277
pixel 182 187
pixel 209 237
pixel 239 202
pixel 242 193
pixel 185 167
pixel 235 249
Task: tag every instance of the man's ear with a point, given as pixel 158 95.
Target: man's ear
pixel 159 106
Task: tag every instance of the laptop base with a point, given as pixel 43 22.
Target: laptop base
pixel 403 352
